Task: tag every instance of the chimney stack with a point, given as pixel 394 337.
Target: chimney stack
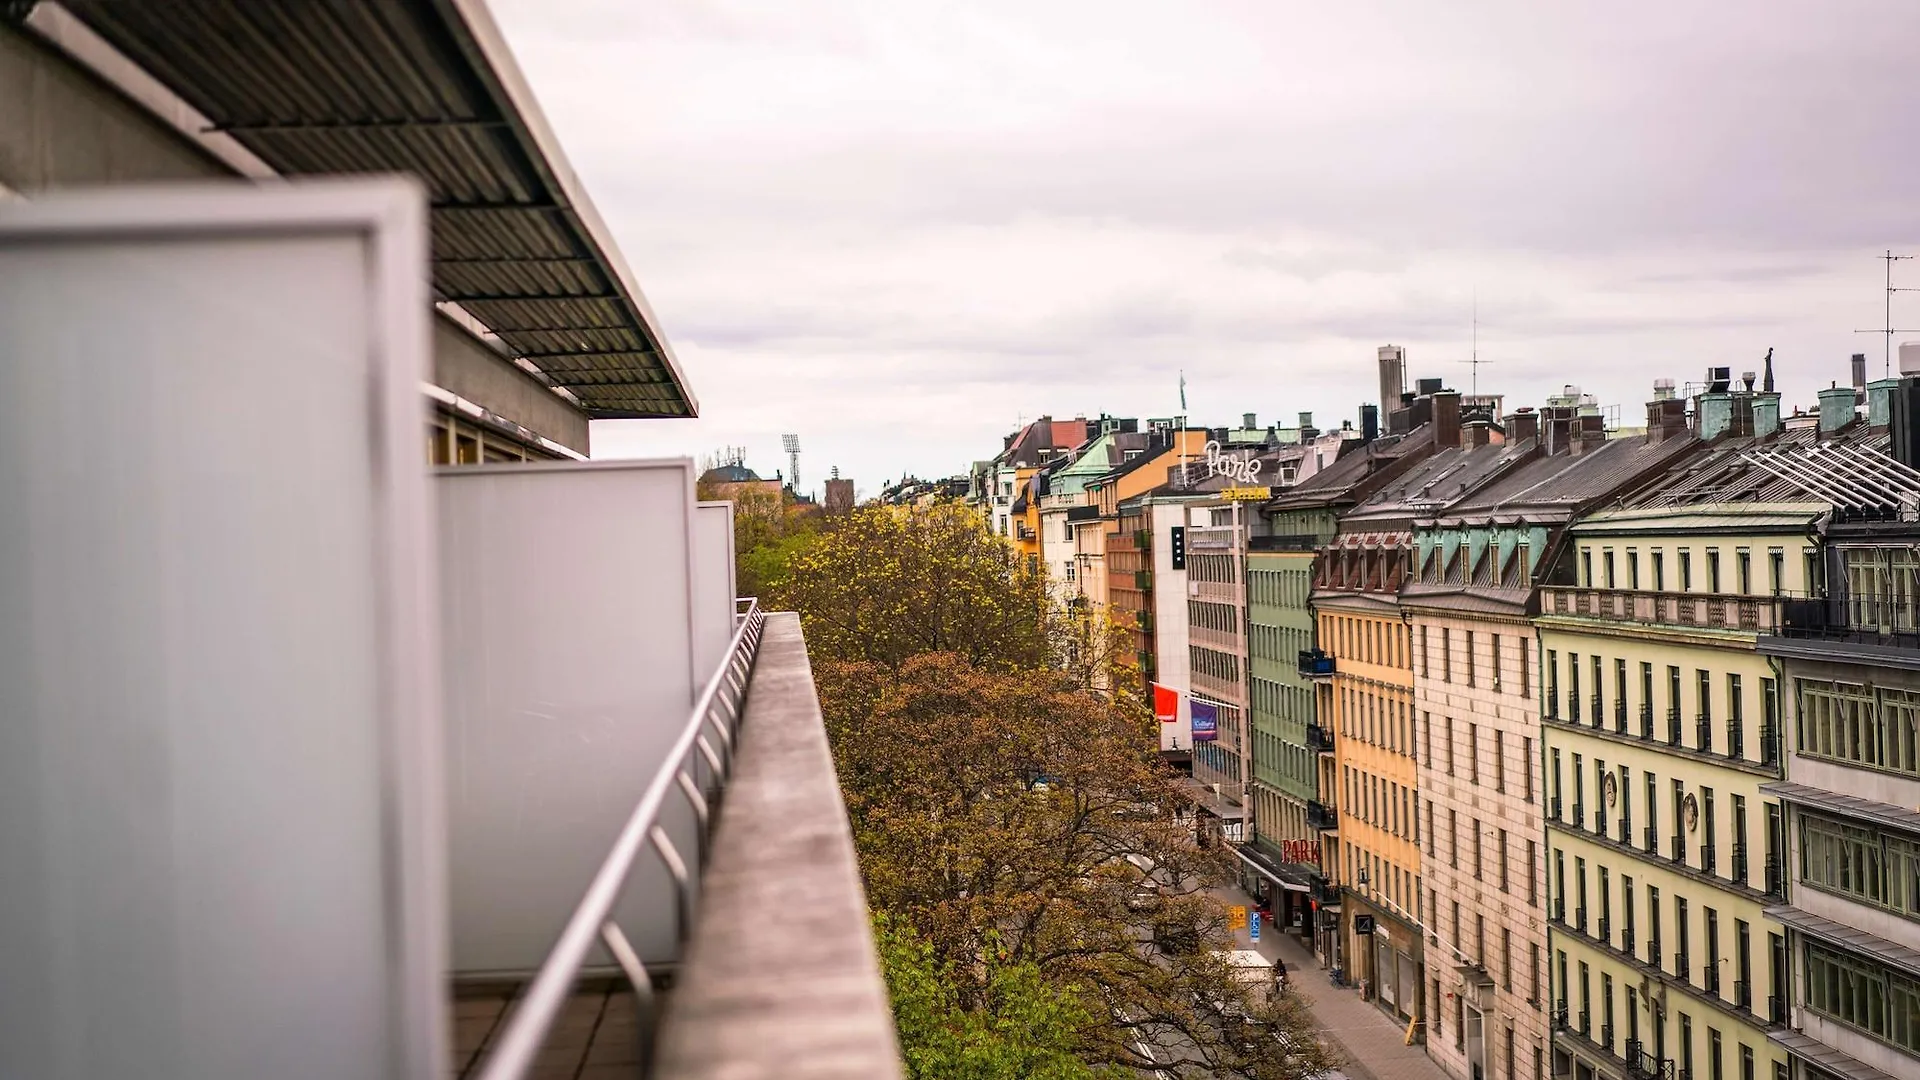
pixel 1476 432
pixel 1559 424
pixel 1369 422
pixel 1766 414
pixel 1446 418
pixel 1393 377
pixel 1836 408
pixel 1666 414
pixel 1524 424
pixel 1859 372
pixel 1248 421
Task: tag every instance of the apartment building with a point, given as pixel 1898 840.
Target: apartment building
pixel 1850 663
pixel 1218 676
pixel 1662 727
pixel 1291 749
pixel 1470 603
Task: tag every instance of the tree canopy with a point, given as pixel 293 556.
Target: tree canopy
pixel 1041 907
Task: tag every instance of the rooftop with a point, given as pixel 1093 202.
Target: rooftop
pixel 428 89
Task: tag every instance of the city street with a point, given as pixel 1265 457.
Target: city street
pixel 1371 1042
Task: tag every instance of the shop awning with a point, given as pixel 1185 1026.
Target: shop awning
pixel 1290 878
pixel 1218 805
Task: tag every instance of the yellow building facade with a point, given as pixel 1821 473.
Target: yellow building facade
pixel 1374 778
pixel 1661 724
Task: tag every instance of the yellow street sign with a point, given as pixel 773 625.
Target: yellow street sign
pixel 1237 918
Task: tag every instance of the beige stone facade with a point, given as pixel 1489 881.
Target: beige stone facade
pixel 1475 681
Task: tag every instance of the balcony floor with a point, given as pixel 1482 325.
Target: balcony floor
pixel 596 1037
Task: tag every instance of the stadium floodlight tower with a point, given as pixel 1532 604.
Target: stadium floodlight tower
pixel 791 443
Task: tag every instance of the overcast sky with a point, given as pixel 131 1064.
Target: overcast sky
pixel 897 228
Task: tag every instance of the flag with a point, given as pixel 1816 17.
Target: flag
pixel 1206 720
pixel 1166 703
pixel 1183 390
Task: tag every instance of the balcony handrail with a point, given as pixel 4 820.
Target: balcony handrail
pixel 718 707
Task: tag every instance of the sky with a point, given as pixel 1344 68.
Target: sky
pixel 897 229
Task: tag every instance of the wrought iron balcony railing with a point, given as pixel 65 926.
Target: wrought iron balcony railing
pixel 1707 857
pixel 1736 737
pixel 1673 725
pixel 1319 739
pixel 1316 664
pixel 1646 721
pixel 1739 861
pixel 1703 733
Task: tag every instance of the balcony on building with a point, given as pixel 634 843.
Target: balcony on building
pixel 1316 664
pixel 1323 817
pixel 1848 629
pixel 1719 611
pixel 1319 739
pixel 327 763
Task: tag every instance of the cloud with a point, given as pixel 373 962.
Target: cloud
pixel 898 228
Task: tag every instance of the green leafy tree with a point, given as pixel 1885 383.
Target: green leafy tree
pixel 1021 1027
pixel 887 583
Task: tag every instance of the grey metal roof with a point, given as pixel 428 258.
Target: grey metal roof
pixel 1745 469
pixel 425 87
pixel 1848 937
pixel 1561 484
pixel 1881 814
pixel 1808 1048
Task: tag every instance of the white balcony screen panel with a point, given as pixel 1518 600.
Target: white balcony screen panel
pixel 218 796
pixel 568 617
pixel 714 586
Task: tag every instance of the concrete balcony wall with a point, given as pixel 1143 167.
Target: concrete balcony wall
pixel 573 652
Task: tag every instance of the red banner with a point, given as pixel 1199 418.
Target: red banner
pixel 1166 703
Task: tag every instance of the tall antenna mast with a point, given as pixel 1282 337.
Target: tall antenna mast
pixel 791 443
pixel 1475 362
pixel 1889 329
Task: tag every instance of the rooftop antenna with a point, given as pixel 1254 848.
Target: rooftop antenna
pixel 1889 329
pixel 1475 363
pixel 791 444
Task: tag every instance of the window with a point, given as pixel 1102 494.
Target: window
pixel 1633 569
pixel 1713 570
pixel 1686 570
pixel 1426 655
pixel 1499 761
pixel 1659 571
pixel 1446 654
pixel 1553 683
pixel 1743 570
pixel 1503 861
pixel 1493 651
pixel 1598 706
pixel 1453 838
pixel 1851 723
pixel 1871 866
pixel 1473 753
pixel 1586 567
pixel 1606 564
pixel 1776 571
pixel 1533 882
pixel 1470 666
pixel 1526 765
pixel 1573 687
pixel 1526 665
pixel 1682 963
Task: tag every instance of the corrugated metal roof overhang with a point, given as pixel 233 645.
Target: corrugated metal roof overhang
pixel 425 87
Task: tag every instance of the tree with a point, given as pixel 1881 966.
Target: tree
pixel 890 582
pixel 770 529
pixel 1023 1027
pixel 1009 812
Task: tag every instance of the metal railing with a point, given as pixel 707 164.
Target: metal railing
pixel 697 765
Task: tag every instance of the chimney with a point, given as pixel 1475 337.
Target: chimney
pixel 1836 408
pixel 1880 402
pixel 1713 413
pixel 1369 423
pixel 1559 428
pixel 1476 432
pixel 1858 368
pixel 1446 418
pixel 1589 431
pixel 1904 421
pixel 1524 424
pixel 1766 385
pixel 1766 414
pixel 1248 421
pixel 1666 414
pixel 1393 375
pixel 1428 387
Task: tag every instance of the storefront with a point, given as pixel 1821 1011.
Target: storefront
pixel 1389 959
pixel 1284 889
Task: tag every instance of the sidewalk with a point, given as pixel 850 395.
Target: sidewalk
pixel 1372 1043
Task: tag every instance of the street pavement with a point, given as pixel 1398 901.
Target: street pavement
pixel 1372 1043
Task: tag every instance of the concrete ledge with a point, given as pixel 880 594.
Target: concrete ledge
pixel 781 978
